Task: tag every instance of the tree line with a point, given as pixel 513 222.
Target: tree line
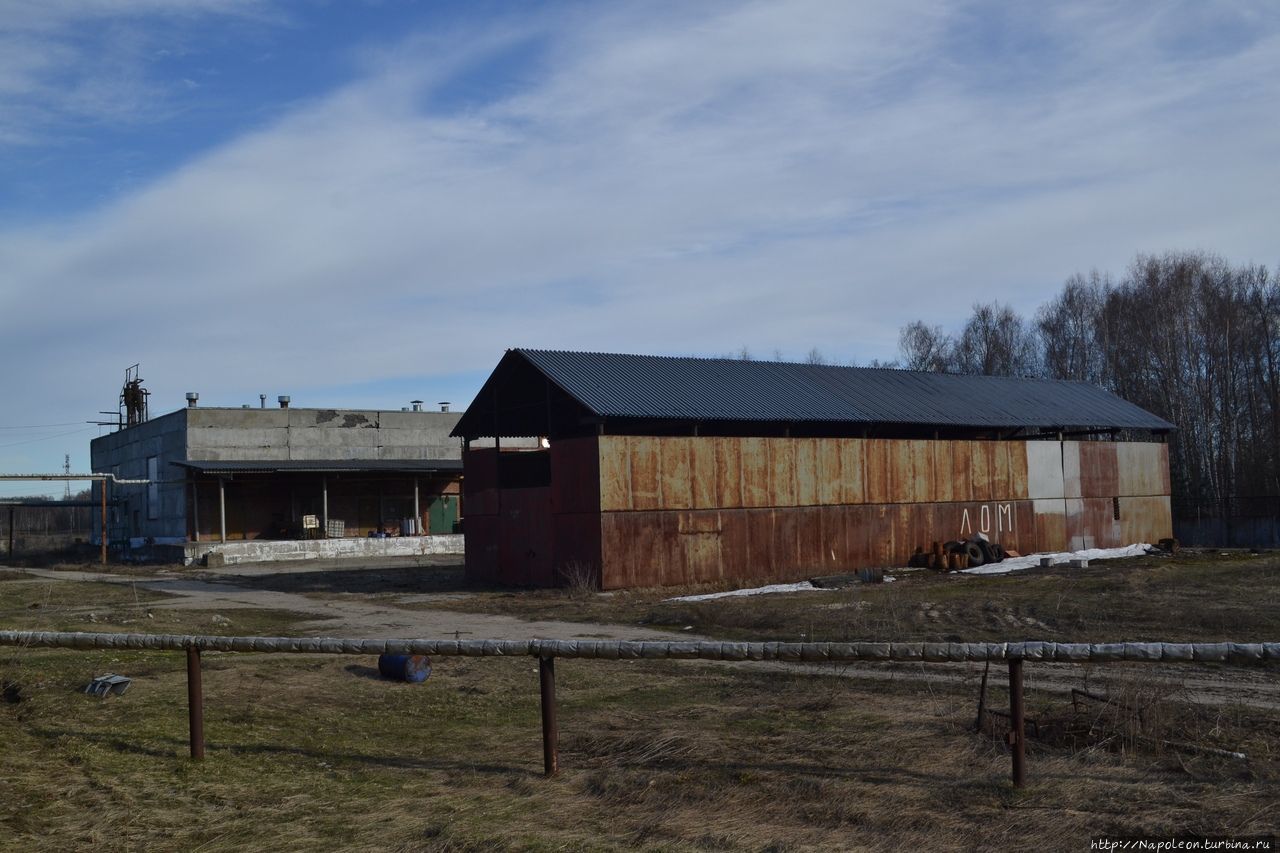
pixel 1185 335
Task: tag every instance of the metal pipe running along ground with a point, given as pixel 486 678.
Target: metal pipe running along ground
pixel 548 650
pixel 1199 653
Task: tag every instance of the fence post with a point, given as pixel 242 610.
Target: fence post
pixel 550 730
pixel 195 702
pixel 1017 724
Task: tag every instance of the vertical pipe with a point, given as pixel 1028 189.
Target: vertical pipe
pixel 102 492
pixel 1017 724
pixel 417 511
pixel 222 507
pixel 550 729
pixel 324 505
pixel 195 702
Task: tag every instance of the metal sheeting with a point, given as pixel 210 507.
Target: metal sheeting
pixel 653 511
pixel 654 548
pixel 1196 653
pixel 697 389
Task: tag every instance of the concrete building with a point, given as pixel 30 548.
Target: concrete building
pixel 284 483
pixel 661 471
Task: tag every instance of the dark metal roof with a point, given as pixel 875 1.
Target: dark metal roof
pixel 326 466
pixel 713 389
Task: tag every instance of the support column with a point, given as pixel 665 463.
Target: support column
pixel 550 729
pixel 9 553
pixel 222 508
pixel 195 703
pixel 324 506
pixel 1017 724
pixel 417 510
pixel 195 510
pixel 102 493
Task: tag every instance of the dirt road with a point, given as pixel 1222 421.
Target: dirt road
pixel 338 600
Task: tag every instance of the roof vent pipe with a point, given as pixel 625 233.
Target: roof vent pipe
pixel 262 401
pixel 284 401
pixel 444 405
pixel 192 399
pixel 417 405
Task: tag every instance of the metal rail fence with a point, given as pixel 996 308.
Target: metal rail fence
pixel 1014 654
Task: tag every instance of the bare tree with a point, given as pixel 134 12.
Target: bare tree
pixel 996 342
pixel 1072 335
pixel 925 347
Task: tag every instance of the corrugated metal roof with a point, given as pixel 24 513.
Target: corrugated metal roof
pixel 711 389
pixel 324 466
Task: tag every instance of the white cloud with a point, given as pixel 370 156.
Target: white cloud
pixel 688 178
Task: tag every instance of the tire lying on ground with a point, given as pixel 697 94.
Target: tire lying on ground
pixel 977 556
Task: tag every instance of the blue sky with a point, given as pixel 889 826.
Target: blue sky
pixel 362 203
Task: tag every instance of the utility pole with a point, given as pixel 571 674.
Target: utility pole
pixel 66 469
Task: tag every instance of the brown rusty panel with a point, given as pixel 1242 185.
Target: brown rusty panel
pixel 961 472
pixel 677 484
pixel 1145 519
pixel 833 538
pixel 827 474
pixel 859 535
pixel 881 533
pixel 481 556
pixel 730 476
pixel 702 472
pixel 1019 488
pixel 786 540
pixel 1165 488
pixel 753 454
pixel 808 474
pixel 876 470
pixel 1001 477
pixel 782 472
pixel 524 548
pixel 1098 470
pixel 646 472
pixel 852 483
pixel 943 487
pixel 1141 469
pixel 699 535
pixel 735 541
pixel 1091 524
pixel 480 481
pixel 981 469
pixel 575 475
pixel 1050 521
pixel 760 546
pixel 576 544
pixel 626 539
pixel 615 473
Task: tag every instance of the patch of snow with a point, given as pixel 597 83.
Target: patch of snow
pixel 1031 561
pixel 802 586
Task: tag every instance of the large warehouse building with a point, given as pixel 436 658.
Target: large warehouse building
pixel 660 471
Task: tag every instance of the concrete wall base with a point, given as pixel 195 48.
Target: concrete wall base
pixel 216 554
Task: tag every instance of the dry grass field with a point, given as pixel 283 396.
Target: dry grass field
pixel 317 753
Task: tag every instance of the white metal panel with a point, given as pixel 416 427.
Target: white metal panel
pixel 1044 470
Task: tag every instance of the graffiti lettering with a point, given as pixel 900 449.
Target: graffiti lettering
pixel 1004 519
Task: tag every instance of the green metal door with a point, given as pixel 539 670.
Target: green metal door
pixel 442 514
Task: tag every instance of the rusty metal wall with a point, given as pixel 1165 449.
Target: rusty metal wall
pixel 652 511
pixel 525 536
pixel 686 510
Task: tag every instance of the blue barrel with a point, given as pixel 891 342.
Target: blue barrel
pixel 411 668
